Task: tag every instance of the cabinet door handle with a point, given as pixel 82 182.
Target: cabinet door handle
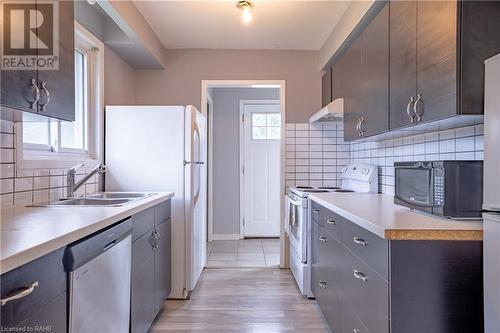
pixel 362 126
pixel 316 211
pixel 322 284
pixel 416 109
pixel 330 221
pixel 47 93
pixel 360 275
pixel 37 94
pixel 409 108
pixel 23 293
pixel 359 241
pixel 356 330
pixel 323 238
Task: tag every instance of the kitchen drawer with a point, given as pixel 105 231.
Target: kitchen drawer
pixel 367 294
pixel 142 249
pixel 332 302
pixel 334 223
pixel 350 322
pixel 51 318
pixel 372 249
pixel 317 212
pixel 48 271
pixel 162 212
pixel 143 222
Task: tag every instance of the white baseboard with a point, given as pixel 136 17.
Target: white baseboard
pixel 216 237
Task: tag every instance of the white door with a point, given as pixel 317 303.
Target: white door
pixel 261 170
pixel 196 193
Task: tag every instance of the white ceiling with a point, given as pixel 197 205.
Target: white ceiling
pixel 291 25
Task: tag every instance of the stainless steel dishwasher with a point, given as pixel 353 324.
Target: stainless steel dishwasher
pixel 99 268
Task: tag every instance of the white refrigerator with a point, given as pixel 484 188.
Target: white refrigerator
pixel 163 148
pixel 491 197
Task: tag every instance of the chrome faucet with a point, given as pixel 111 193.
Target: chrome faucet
pixel 72 187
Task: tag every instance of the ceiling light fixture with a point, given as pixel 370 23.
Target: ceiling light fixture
pixel 246 7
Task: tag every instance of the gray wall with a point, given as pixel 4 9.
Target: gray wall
pixel 226 161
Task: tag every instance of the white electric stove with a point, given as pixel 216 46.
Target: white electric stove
pixel 358 178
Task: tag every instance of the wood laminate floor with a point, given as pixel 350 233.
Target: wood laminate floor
pixel 263 300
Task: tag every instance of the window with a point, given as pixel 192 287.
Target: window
pixel 43 138
pixel 266 126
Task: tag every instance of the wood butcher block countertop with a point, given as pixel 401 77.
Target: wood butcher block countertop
pixel 28 233
pixel 378 214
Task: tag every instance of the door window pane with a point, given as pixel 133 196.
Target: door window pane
pixel 259 133
pixel 266 126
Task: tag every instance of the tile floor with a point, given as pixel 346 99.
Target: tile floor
pixel 244 253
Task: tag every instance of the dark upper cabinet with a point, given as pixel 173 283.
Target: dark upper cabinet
pixel 60 84
pixel 326 87
pixel 39 90
pixel 437 51
pixel 403 52
pixel 374 86
pixel 352 76
pixel 365 77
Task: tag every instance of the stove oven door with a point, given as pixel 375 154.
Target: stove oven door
pixel 296 218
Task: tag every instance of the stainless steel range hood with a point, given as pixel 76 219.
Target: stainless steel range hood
pixel 331 113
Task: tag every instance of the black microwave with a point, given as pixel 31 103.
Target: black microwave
pixel 452 189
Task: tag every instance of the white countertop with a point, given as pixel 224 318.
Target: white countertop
pixel 378 214
pixel 28 233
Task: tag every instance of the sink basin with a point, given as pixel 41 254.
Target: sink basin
pixel 91 202
pixel 103 199
pixel 119 195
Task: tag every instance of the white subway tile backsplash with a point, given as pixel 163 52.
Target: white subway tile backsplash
pixel 23 184
pixel 6 155
pixel 6 170
pixel 461 143
pixel 6 140
pixel 23 198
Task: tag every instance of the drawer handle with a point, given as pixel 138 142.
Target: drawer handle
pixel 329 221
pixel 359 241
pixel 323 238
pixel 316 211
pixel 356 330
pixel 359 275
pixel 322 284
pixel 20 294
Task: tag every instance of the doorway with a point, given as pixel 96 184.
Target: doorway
pixel 246 174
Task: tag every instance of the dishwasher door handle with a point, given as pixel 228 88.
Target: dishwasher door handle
pixel 110 245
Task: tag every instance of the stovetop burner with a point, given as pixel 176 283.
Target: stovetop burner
pixel 304 187
pixel 314 190
pixel 341 190
pixel 329 187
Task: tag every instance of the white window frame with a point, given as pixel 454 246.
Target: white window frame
pixel 41 156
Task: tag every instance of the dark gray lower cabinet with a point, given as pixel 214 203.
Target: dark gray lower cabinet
pixel 45 306
pixel 162 264
pixel 364 283
pixel 143 280
pixel 151 274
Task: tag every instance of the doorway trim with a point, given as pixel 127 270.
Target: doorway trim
pixel 281 84
pixel 244 102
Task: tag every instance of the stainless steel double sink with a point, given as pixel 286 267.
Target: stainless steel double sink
pixel 103 199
